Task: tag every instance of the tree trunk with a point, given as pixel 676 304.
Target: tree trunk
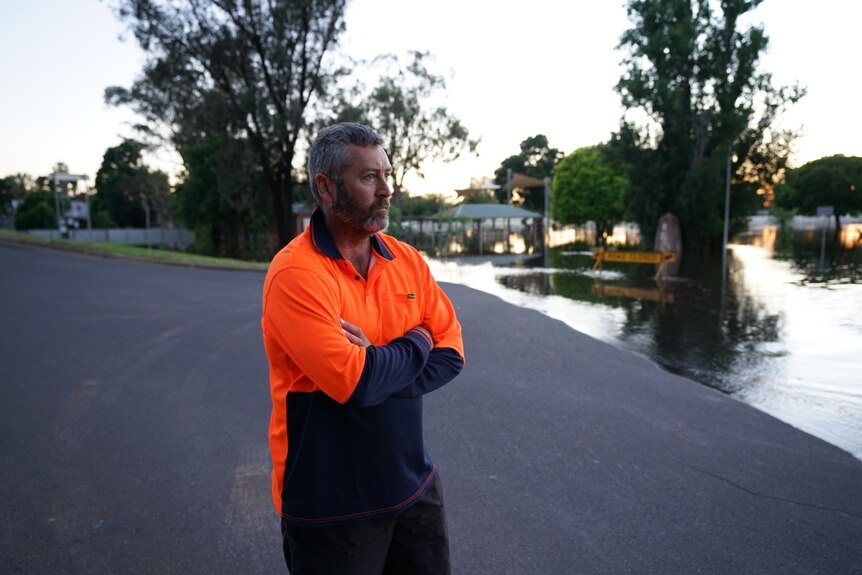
pixel 600 236
pixel 281 193
pixel 396 193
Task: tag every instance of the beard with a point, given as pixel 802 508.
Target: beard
pixel 362 220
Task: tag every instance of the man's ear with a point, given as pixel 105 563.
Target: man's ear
pixel 325 189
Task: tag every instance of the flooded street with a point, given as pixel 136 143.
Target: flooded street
pixel 783 333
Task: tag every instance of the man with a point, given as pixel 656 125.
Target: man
pixel 356 330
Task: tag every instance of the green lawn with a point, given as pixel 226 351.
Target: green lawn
pixel 131 252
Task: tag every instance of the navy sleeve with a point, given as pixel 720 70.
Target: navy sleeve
pixel 390 368
pixel 443 364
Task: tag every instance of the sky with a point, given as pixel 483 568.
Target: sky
pixel 513 70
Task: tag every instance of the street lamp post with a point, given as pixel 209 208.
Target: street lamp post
pixel 546 220
pixel 726 215
pixel 58 178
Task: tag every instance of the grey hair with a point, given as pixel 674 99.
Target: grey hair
pixel 328 154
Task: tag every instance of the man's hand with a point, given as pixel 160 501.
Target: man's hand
pixel 354 334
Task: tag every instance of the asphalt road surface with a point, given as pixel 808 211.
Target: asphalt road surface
pixel 134 408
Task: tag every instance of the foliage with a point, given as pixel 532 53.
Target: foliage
pixel 223 197
pixel 136 252
pixel 103 220
pixel 481 199
pixel 37 211
pixel 253 68
pixel 694 96
pixel 831 181
pixel 13 187
pixel 587 186
pixel 423 206
pixel 402 109
pixel 127 192
pixel 537 159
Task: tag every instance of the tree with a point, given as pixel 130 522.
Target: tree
pixel 223 197
pixel 831 181
pixel 37 211
pixel 127 192
pixel 13 188
pixel 694 97
pixel 401 109
pixel 258 64
pixel 537 159
pixel 480 199
pixel 425 206
pixel 38 200
pixel 587 186
pixel 414 208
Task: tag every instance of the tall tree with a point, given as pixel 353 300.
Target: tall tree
pixel 537 159
pixel 588 186
pixel 404 110
pixel 694 98
pixel 259 63
pixel 127 190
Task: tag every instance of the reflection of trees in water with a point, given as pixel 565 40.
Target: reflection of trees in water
pixel 564 282
pixel 704 335
pixel 714 338
pixel 533 283
pixel 819 261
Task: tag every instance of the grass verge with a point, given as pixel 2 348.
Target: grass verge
pixel 131 252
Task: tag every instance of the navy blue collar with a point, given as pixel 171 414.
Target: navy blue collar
pixel 322 239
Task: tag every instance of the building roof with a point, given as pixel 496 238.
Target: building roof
pixel 523 181
pixel 487 212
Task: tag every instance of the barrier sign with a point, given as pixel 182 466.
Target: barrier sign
pixel 660 258
pixel 636 257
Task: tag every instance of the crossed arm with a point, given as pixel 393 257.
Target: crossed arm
pixel 440 367
pixel 356 336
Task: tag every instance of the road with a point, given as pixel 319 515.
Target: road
pixel 134 409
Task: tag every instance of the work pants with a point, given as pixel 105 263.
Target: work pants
pixel 413 542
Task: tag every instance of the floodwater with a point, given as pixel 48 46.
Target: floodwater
pixel 782 333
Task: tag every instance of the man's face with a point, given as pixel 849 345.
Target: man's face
pixel 362 200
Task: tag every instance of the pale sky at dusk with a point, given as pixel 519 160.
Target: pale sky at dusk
pixel 514 70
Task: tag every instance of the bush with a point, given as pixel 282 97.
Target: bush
pixel 35 215
pixel 103 220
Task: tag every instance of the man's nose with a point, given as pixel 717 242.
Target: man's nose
pixel 383 188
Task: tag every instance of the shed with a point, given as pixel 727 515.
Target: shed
pixel 485 218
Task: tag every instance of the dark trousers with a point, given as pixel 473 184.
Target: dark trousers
pixel 414 542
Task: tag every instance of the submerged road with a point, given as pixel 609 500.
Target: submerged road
pixel 134 408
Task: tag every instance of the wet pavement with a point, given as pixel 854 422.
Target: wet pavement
pixel 134 408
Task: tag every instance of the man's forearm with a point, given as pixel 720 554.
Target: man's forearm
pixel 443 365
pixel 391 368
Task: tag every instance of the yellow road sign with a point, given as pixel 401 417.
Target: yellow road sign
pixel 660 258
pixel 635 257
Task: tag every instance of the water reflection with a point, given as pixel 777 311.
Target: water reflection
pixel 783 334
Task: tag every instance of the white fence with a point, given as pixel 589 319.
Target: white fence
pixel 174 238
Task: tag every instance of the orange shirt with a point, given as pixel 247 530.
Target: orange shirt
pixel 335 387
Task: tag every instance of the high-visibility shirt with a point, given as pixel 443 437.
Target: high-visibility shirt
pixel 345 432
